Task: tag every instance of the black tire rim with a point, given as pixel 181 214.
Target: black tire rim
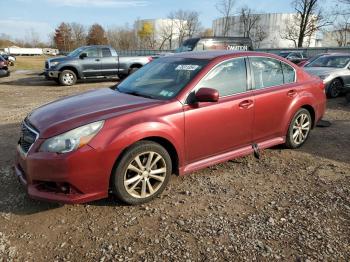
pixel 336 85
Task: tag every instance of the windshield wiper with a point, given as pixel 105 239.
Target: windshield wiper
pixel 133 93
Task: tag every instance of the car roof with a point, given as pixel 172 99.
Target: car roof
pixel 336 54
pixel 210 55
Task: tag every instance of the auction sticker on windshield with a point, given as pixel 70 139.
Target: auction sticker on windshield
pixel 187 67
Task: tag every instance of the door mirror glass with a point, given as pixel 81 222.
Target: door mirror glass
pixel 207 95
pixel 83 55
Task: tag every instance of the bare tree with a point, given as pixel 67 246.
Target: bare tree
pixel 260 35
pixel 249 21
pixel 78 34
pixel 166 34
pixel 225 8
pixel 122 38
pixel 306 22
pixel 193 24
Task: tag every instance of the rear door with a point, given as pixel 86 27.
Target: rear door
pixel 109 62
pixel 214 128
pixel 275 89
pixel 91 64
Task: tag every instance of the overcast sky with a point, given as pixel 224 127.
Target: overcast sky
pixel 20 17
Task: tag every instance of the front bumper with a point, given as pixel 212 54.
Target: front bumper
pixel 65 178
pixel 51 73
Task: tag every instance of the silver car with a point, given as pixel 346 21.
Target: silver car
pixel 334 70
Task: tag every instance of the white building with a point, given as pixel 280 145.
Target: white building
pixel 273 26
pixel 164 32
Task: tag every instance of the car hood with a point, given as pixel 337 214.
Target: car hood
pixel 60 59
pixel 321 71
pixel 71 112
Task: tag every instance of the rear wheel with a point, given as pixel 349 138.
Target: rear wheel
pixel 334 88
pixel 67 78
pixel 142 173
pixel 299 129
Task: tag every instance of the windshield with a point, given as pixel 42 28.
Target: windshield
pixel 163 78
pixel 76 52
pixel 330 61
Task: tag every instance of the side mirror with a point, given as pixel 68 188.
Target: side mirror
pixel 82 55
pixel 207 95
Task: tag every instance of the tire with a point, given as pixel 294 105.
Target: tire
pixel 334 88
pixel 67 78
pixel 299 129
pixel 133 181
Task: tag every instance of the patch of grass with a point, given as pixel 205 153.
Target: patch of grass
pixel 36 63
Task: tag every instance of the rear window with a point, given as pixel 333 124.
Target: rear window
pixel 267 72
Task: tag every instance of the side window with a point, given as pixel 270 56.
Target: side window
pixel 106 52
pixel 228 78
pixel 288 73
pixel 93 52
pixel 267 72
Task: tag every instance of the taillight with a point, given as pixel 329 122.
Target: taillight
pixel 150 59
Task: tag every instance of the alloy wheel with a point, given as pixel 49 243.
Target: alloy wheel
pixel 335 88
pixel 68 78
pixel 145 174
pixel 301 128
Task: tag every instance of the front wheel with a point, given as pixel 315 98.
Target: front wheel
pixel 299 129
pixel 334 88
pixel 67 78
pixel 142 173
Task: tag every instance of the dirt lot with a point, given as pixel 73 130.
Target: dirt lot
pixel 289 205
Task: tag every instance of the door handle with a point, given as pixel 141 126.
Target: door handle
pixel 246 104
pixel 292 93
pixel 97 60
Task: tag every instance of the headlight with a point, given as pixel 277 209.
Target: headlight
pixel 72 140
pixel 52 64
pixel 323 77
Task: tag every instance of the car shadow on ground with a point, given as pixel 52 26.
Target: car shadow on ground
pixel 40 81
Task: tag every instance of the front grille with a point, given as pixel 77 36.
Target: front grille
pixel 47 65
pixel 27 137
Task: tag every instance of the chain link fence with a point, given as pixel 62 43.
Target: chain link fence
pixel 309 52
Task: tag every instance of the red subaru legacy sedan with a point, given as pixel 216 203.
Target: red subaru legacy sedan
pixel 176 115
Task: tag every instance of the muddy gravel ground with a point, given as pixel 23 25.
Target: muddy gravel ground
pixel 291 205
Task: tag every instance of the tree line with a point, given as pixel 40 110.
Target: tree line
pixel 310 17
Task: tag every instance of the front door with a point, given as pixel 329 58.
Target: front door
pixel 214 128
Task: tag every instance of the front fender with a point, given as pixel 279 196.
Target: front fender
pixel 114 140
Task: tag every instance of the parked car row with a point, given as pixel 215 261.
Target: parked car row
pixel 332 68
